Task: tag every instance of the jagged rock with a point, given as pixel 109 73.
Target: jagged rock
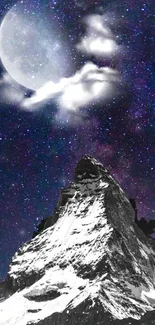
pixel 147 226
pixel 40 228
pixel 90 264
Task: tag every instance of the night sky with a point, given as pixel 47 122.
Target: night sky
pixel 39 148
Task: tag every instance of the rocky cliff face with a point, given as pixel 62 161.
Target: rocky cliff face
pixel 90 265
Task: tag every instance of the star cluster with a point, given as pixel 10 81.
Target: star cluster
pixel 38 153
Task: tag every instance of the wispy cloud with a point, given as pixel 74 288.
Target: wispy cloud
pixel 89 84
pixel 10 90
pixel 99 39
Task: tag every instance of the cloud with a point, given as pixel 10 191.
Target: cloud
pixel 90 84
pixel 98 40
pixel 11 91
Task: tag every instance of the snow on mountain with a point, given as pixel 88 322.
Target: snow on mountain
pixel 91 264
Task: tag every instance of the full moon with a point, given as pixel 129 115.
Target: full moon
pixel 34 48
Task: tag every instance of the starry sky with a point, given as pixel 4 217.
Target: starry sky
pixel 39 148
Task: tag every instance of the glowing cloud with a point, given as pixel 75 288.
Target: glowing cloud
pixel 90 84
pixel 98 40
pixel 10 90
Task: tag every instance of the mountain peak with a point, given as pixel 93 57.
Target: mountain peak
pixel 88 264
pixel 89 167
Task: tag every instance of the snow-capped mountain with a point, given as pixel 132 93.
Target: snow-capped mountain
pixel 90 265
